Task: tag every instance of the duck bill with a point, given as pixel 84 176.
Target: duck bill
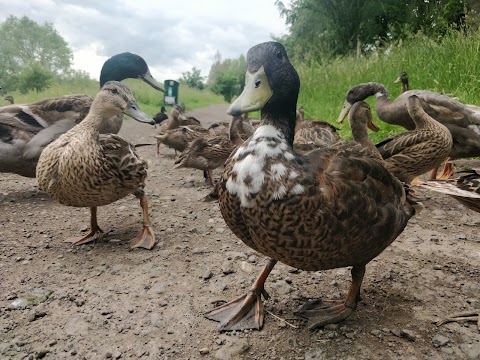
pixel 345 109
pixel 135 113
pixel 398 80
pixel 254 96
pixel 148 78
pixel 372 126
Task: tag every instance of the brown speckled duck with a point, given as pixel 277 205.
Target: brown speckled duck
pixel 331 208
pixel 84 168
pixel 412 153
pixel 10 99
pixel 463 121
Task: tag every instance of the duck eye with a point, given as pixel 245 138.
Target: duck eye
pixel 114 91
pixel 279 55
pixel 257 83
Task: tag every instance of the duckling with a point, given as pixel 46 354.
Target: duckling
pixel 10 99
pixel 160 116
pixel 463 121
pixel 84 168
pixel 403 80
pixel 25 129
pixel 330 208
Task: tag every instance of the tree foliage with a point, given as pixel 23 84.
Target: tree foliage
pixel 31 51
pixel 227 77
pixel 193 78
pixel 322 29
pixel 34 77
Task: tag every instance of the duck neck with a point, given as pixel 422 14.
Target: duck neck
pixel 97 116
pixel 282 118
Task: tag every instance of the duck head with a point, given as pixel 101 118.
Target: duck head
pixel 115 98
pixel 271 81
pixel 127 66
pixel 361 92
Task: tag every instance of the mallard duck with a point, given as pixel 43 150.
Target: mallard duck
pixel 84 168
pixel 463 121
pixel 25 129
pixel 412 153
pixel 10 99
pixel 331 208
pixel 160 116
pixel 403 80
pixel 211 152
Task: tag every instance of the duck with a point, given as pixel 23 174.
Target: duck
pixel 403 80
pixel 25 129
pixel 84 168
pixel 179 138
pixel 409 154
pixel 210 152
pixel 463 121
pixel 10 99
pixel 327 209
pixel 160 116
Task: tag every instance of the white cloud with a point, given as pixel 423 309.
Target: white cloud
pixel 172 36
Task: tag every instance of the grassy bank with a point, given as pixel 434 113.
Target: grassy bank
pixel 451 66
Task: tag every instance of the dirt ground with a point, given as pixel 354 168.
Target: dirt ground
pixel 104 300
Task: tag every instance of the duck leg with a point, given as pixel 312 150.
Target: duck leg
pixel 447 170
pixel 94 233
pixel 210 176
pixel 433 174
pixel 472 315
pixel 146 238
pixel 322 312
pixel 245 312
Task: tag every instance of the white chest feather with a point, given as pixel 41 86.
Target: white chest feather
pixel 261 157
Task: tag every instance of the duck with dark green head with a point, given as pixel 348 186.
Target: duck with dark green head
pixel 330 208
pixel 27 128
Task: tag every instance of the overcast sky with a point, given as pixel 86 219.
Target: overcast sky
pixel 172 36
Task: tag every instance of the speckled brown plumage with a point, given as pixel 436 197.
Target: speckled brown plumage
pixel 413 153
pixel 330 208
pixel 84 168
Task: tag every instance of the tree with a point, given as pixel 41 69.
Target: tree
pixel 227 77
pixel 321 29
pixel 193 78
pixel 24 44
pixel 35 78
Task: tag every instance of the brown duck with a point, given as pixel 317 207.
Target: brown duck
pixel 331 208
pixel 463 121
pixel 84 168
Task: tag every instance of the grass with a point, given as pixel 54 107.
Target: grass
pixel 149 99
pixel 450 66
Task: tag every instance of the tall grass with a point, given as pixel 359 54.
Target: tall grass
pixel 149 99
pixel 450 65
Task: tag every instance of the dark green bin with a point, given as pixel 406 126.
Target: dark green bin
pixel 171 92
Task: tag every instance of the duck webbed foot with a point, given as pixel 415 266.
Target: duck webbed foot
pixel 94 233
pixel 472 315
pixel 146 239
pixel 245 312
pixel 322 312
